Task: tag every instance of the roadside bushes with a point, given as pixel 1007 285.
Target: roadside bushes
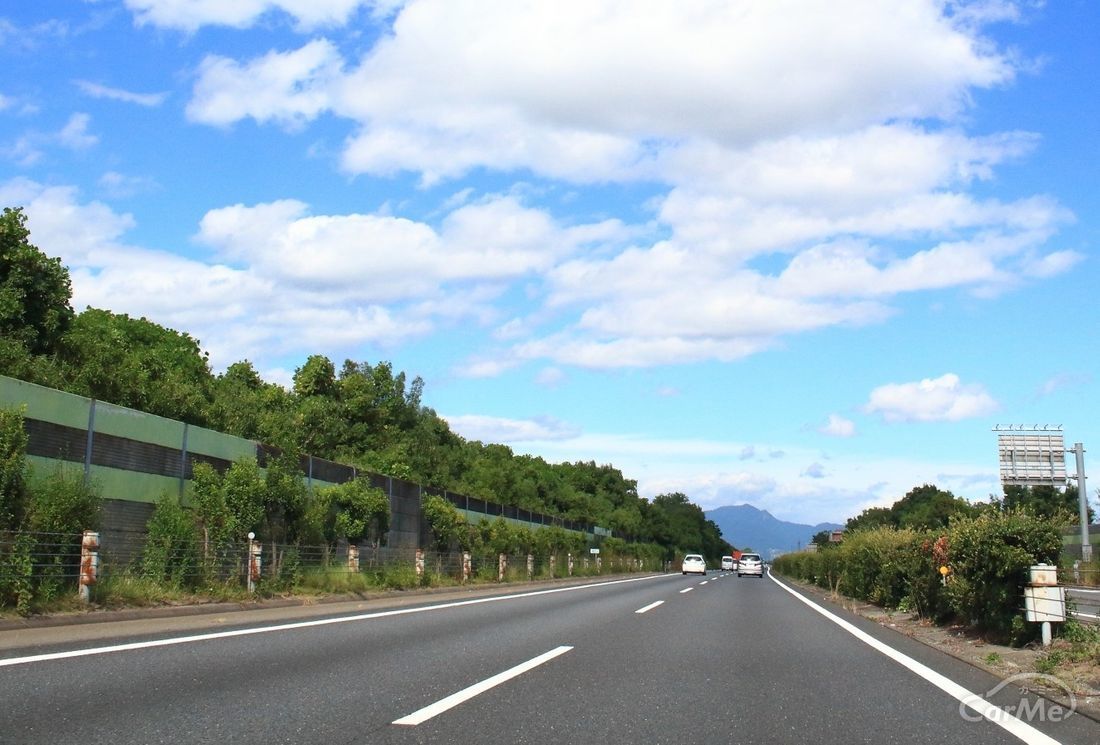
pixel 990 557
pixel 987 556
pixel 41 521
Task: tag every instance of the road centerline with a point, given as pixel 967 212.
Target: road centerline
pixel 686 589
pixel 422 715
pixel 650 607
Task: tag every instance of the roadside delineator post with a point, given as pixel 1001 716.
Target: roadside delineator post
pixel 530 566
pixel 419 560
pixel 255 561
pixel 569 563
pixel 553 564
pixel 353 559
pixel 466 567
pixel 89 564
pixel 502 566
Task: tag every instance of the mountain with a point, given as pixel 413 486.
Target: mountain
pixel 745 526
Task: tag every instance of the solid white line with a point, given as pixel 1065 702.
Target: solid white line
pixel 990 711
pixel 423 715
pixel 302 624
pixel 686 589
pixel 650 607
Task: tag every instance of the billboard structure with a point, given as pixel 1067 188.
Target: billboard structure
pixel 1031 456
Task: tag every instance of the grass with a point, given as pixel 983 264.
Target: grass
pixel 129 589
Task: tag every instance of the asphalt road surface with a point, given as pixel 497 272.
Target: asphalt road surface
pixel 660 659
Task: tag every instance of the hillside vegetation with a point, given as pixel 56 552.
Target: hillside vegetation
pixel 364 414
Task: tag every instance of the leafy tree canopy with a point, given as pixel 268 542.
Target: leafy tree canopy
pixel 34 289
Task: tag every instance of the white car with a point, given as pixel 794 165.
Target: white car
pixel 728 564
pixel 694 564
pixel 750 564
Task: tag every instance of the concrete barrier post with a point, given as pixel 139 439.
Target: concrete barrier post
pixel 89 564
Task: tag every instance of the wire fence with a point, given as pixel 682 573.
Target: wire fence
pixel 40 567
pixel 1085 575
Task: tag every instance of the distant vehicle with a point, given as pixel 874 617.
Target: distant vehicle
pixel 694 564
pixel 728 564
pixel 750 564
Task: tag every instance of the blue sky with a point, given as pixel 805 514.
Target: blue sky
pixel 801 254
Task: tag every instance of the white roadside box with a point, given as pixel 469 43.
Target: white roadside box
pixel 1045 604
pixel 1044 575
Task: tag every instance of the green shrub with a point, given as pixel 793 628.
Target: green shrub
pixel 13 451
pixel 989 558
pixel 17 574
pixel 63 504
pixel 171 552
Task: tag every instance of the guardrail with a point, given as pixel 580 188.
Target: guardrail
pixel 1084 603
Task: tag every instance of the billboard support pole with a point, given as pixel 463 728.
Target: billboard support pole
pixel 1083 501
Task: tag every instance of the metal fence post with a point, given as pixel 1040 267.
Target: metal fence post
pixel 89 443
pixel 89 564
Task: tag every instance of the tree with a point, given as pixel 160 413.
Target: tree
pixel 1045 501
pixel 34 290
pixel 923 507
pixel 136 363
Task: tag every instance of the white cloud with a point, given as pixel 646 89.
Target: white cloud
pixel 944 398
pixel 550 377
pixel 1062 381
pixel 120 186
pixel 382 258
pixel 814 471
pixel 855 167
pixel 613 92
pixel 286 88
pixel 29 149
pixel 190 15
pixel 74 135
pixel 838 426
pixel 498 429
pixel 95 90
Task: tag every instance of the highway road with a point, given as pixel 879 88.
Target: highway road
pixel 658 659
